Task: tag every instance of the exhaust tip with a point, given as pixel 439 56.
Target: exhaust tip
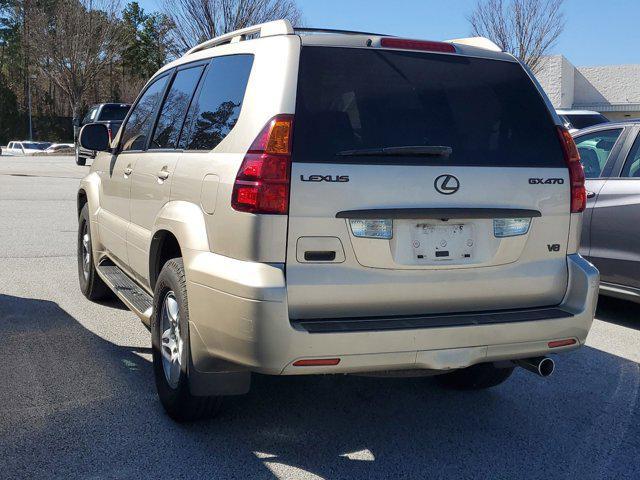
pixel 546 367
pixel 541 366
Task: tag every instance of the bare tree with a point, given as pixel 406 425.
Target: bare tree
pixel 74 45
pixel 195 21
pixel 525 28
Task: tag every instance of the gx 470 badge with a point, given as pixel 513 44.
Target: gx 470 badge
pixel 546 181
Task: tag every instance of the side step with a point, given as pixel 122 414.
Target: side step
pixel 133 296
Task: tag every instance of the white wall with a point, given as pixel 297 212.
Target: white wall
pixel 557 79
pixel 614 83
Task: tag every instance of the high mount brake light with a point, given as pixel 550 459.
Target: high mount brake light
pixel 263 181
pixel 423 45
pixel 576 172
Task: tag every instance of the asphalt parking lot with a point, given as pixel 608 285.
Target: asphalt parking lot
pixel 78 399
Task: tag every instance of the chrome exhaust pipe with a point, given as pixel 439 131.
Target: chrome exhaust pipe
pixel 541 366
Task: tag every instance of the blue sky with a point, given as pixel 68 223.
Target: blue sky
pixel 597 32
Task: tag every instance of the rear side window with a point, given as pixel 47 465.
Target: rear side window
pixel 140 122
pixel 632 165
pixel 175 107
pixel 488 112
pixel 584 121
pixel 595 149
pixel 113 113
pixel 215 112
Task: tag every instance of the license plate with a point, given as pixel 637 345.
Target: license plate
pixel 443 242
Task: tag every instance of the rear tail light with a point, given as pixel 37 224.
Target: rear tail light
pixel 576 172
pixel 423 45
pixel 110 133
pixel 262 183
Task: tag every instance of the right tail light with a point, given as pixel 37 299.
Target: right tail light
pixel 576 172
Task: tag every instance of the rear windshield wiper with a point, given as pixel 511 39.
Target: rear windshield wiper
pixel 415 151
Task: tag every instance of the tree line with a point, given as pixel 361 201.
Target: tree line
pixel 68 54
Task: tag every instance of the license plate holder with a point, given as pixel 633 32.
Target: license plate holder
pixel 440 243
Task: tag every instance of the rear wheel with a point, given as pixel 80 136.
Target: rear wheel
pixel 476 377
pixel 171 351
pixel 80 160
pixel 91 284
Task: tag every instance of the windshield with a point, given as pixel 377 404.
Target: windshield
pixel 113 112
pixel 486 112
pixel 584 121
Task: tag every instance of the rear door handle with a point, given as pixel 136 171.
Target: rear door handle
pixel 128 171
pixel 163 175
pixel 590 194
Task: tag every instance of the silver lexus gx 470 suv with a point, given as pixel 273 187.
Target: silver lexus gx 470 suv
pixel 295 202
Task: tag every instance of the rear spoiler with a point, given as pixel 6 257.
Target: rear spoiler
pixel 478 42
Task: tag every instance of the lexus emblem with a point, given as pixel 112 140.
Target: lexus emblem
pixel 446 184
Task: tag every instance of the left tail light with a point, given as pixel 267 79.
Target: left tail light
pixel 263 181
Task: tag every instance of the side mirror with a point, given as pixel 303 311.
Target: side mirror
pixel 95 136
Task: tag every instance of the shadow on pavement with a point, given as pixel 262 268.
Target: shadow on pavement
pixel 619 312
pixel 75 405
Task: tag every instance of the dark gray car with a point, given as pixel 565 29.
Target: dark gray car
pixel 610 155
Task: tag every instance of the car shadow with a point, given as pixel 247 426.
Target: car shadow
pixel 75 405
pixel 619 312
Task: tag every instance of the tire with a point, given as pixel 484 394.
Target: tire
pixel 81 161
pixel 171 348
pixel 476 377
pixel 91 284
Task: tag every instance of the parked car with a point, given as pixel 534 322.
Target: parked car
pixel 109 114
pixel 574 120
pixel 57 148
pixel 291 204
pixel 610 154
pixel 25 147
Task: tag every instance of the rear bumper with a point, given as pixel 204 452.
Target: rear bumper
pixel 239 313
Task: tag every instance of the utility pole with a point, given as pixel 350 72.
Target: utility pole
pixel 29 101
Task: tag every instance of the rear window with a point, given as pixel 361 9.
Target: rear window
pixel 487 111
pixel 113 113
pixel 584 121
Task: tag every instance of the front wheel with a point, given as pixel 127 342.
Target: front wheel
pixel 91 284
pixel 476 377
pixel 171 347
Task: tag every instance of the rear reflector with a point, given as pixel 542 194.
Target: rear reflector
pixel 262 183
pixel 576 172
pixel 562 343
pixel 422 45
pixel 316 362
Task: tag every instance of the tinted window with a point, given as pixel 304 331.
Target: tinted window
pixel 113 113
pixel 632 165
pixel 140 122
pixel 90 116
pixel 595 149
pixel 175 107
pixel 215 112
pixel 584 121
pixel 487 111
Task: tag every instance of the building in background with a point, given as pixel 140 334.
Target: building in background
pixel 613 90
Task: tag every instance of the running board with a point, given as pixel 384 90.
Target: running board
pixel 133 296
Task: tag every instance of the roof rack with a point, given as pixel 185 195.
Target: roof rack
pixel 478 42
pixel 277 27
pixel 329 30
